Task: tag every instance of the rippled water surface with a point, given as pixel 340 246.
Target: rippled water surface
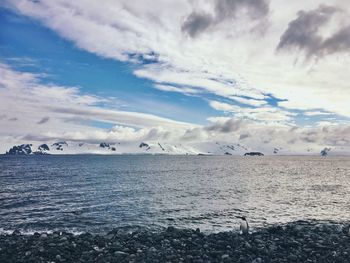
pixel 97 193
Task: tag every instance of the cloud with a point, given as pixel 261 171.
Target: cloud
pixel 222 106
pixel 43 120
pixel 115 134
pixel 244 136
pixel 228 61
pixel 170 88
pixel 316 113
pixel 305 33
pixel 23 94
pixel 227 126
pixel 135 119
pixel 251 102
pixel 339 42
pixel 255 9
pixel 197 22
pixel 264 114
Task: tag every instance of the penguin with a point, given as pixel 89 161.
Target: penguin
pixel 244 226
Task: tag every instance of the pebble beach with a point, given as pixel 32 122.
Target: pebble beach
pixel 299 241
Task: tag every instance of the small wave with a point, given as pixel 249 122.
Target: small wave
pixel 28 232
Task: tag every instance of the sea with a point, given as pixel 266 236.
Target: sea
pixel 96 193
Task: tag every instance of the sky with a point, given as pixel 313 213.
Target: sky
pixel 261 73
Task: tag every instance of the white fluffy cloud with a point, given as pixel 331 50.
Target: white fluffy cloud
pixel 262 114
pixel 229 58
pixel 28 106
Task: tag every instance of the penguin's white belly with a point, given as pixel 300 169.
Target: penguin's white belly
pixel 244 227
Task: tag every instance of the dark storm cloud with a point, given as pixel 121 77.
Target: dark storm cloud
pixel 303 33
pixel 197 22
pixel 39 138
pixel 339 42
pixel 244 136
pixel 228 126
pixel 43 120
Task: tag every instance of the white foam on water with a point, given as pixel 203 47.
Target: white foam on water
pixel 44 231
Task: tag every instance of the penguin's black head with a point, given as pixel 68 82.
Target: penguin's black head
pixel 242 217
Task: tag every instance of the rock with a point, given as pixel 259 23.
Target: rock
pixel 296 242
pixel 144 145
pixel 110 236
pixel 247 245
pixel 253 154
pixel 153 249
pixel 24 149
pixel 16 232
pixel 170 229
pixel 104 145
pixel 59 145
pixel 43 147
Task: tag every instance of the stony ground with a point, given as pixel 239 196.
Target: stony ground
pixel 294 242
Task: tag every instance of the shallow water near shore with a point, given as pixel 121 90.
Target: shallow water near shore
pixel 89 193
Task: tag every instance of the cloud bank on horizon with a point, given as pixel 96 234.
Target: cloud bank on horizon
pixel 272 75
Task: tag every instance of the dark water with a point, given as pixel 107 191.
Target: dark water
pixel 97 193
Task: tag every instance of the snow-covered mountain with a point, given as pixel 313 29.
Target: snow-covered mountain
pixel 203 148
pixel 64 147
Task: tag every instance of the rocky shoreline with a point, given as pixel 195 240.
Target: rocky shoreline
pixel 294 242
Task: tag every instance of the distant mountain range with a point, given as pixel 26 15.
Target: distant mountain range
pixel 63 147
pixel 203 148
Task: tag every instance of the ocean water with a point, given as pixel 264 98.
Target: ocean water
pixel 96 193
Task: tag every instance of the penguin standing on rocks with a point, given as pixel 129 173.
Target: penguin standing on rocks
pixel 244 226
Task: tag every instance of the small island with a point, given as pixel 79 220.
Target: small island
pixel 254 154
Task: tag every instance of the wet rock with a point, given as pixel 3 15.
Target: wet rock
pixel 257 260
pixel 120 253
pixel 16 232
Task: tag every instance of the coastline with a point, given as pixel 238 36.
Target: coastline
pixel 299 241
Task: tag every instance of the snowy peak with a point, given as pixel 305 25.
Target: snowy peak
pixel 59 145
pixel 23 149
pixel 108 146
